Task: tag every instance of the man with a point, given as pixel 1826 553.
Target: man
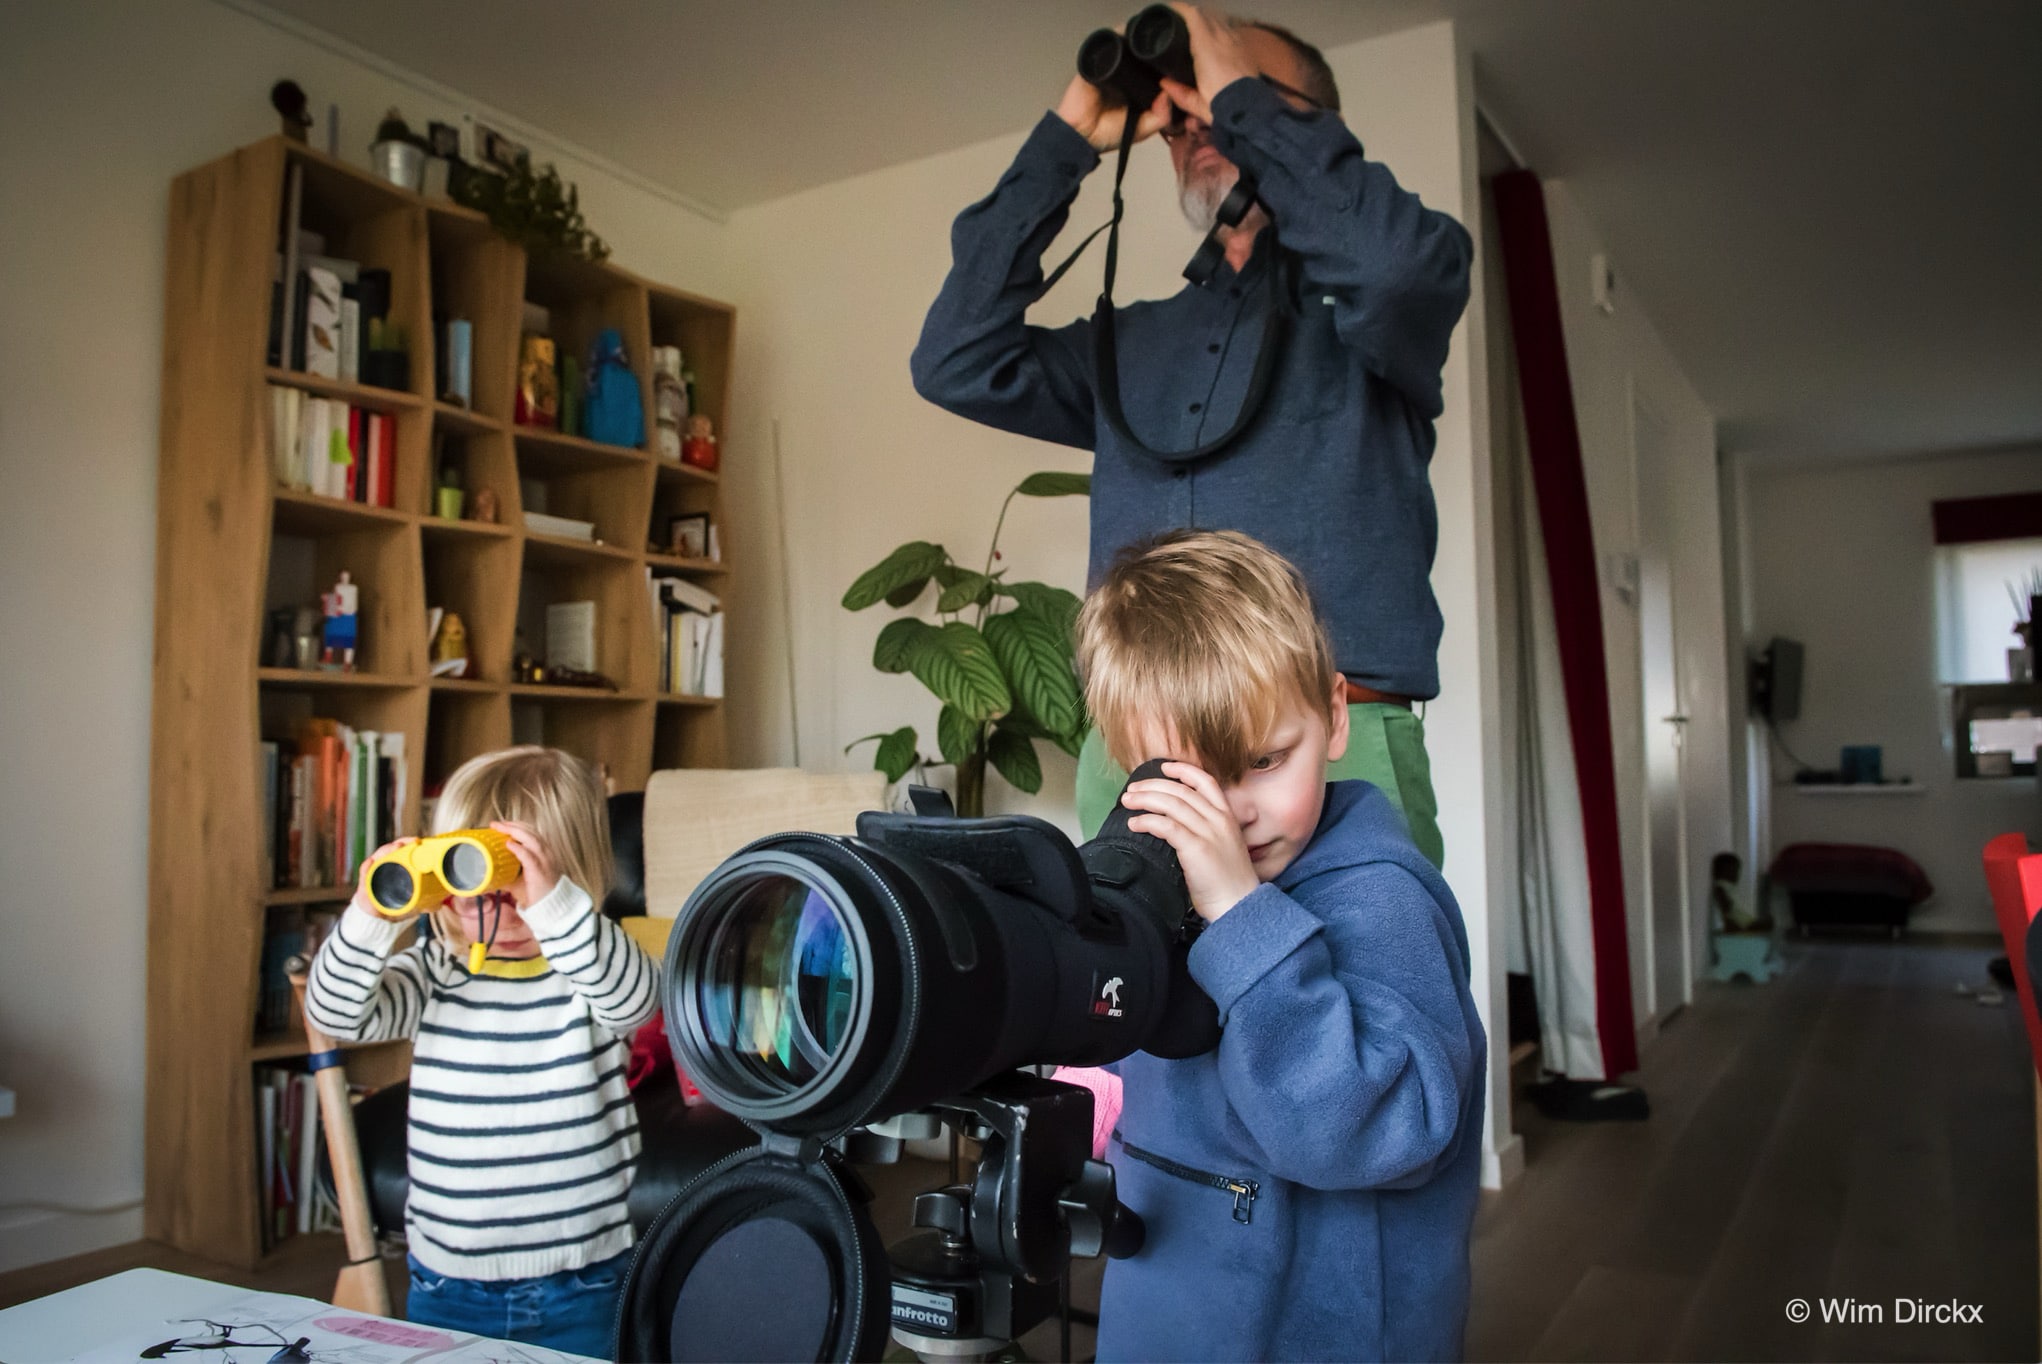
pixel 1332 473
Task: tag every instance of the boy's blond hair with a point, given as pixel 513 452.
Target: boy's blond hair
pixel 556 794
pixel 1209 633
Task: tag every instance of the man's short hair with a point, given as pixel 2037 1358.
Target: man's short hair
pixel 1207 634
pixel 1318 82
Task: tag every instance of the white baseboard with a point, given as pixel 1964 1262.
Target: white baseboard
pixel 1501 1168
pixel 37 1238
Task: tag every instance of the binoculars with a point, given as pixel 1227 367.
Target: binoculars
pixel 418 876
pixel 1126 67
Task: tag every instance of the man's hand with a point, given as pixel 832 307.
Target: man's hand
pixel 1219 56
pixel 1100 125
pixel 1189 812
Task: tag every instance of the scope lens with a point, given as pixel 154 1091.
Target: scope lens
pixel 780 983
pixel 391 885
pixel 465 867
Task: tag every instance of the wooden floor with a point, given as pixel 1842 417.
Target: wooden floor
pixel 1853 1130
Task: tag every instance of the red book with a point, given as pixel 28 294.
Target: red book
pixel 386 474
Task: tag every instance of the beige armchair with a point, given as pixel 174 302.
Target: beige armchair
pixel 696 817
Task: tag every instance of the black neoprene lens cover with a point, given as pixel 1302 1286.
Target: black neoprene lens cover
pixel 762 1257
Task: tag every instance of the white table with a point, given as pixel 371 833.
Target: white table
pixel 117 1317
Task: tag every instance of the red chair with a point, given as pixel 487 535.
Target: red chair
pixel 2014 876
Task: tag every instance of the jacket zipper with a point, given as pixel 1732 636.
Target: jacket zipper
pixel 1243 1190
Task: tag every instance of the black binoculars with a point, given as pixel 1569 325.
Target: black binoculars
pixel 1126 67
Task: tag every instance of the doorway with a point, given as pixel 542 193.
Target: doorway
pixel 1669 952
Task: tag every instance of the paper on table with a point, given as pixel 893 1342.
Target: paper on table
pixel 333 1334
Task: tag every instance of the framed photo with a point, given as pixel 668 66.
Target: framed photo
pixel 688 535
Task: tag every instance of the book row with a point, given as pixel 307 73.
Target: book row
pixel 690 622
pixel 332 795
pixel 325 446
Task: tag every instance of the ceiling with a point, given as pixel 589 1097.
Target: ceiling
pixel 1832 209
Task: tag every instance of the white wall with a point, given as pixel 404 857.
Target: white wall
pixel 1611 357
pixel 121 98
pixel 833 285
pixel 1840 558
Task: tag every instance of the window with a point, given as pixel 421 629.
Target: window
pixel 1976 588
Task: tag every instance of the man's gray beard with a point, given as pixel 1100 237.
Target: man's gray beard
pixel 1200 197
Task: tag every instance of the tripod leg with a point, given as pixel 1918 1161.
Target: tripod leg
pixel 361 1285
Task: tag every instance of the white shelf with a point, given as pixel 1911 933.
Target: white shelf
pixel 1862 788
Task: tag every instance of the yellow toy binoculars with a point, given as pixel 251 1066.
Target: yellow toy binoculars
pixel 415 878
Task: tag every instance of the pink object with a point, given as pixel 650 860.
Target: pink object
pixel 1105 1087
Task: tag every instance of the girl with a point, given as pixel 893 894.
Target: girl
pixel 522 1133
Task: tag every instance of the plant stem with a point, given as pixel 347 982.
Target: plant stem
pixel 993 550
pixel 971 783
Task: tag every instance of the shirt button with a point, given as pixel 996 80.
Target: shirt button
pixel 1234 292
pixel 1196 406
pixel 1181 473
pixel 1213 349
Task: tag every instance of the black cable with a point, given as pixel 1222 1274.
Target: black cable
pixel 1792 757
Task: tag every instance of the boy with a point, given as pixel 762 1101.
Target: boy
pixel 1309 1185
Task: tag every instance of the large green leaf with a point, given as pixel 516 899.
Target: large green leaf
pixel 897 642
pixel 910 566
pixel 956 734
pixel 966 589
pixel 896 753
pixel 1056 485
pixel 1052 604
pixel 1037 657
pixel 1014 758
pixel 955 662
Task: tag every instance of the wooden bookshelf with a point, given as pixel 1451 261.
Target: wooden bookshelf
pixel 232 544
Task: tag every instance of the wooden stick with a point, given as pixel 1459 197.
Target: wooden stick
pixel 361 1285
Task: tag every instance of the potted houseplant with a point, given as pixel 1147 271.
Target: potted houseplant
pixel 1000 657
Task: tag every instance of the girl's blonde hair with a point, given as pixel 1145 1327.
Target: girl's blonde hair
pixel 556 794
pixel 1209 633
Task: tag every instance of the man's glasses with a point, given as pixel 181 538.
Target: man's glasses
pixel 1176 129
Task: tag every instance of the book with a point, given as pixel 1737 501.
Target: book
pixel 571 635
pixel 322 322
pixel 566 527
pixel 309 1136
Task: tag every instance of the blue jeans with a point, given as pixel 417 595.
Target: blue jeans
pixel 574 1310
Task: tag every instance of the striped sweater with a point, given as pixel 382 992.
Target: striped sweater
pixel 522 1134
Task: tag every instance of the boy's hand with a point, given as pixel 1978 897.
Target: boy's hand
pixel 539 876
pixel 1189 812
pixel 364 900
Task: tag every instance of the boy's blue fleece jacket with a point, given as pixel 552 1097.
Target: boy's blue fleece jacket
pixel 1347 1089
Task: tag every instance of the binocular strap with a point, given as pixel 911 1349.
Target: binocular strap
pixel 1105 351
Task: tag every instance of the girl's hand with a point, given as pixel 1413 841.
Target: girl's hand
pixel 1190 814
pixel 540 876
pixel 365 901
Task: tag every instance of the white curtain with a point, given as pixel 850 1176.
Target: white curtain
pixel 1558 942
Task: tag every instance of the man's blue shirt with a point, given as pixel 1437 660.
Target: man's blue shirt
pixel 1333 473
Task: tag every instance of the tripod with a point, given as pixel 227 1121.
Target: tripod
pixel 993 1257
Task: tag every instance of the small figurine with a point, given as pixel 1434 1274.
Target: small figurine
pixel 450 647
pixel 486 507
pixel 699 449
pixel 338 638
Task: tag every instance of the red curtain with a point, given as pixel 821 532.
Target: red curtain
pixel 1971 520
pixel 1562 493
